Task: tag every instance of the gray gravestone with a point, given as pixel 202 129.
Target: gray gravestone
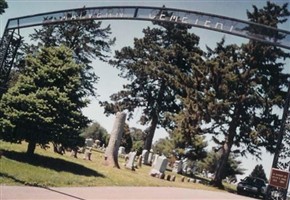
pixel 140 161
pixel 177 167
pixel 159 167
pixel 89 142
pixel 150 158
pixel 131 160
pixel 185 165
pixel 145 154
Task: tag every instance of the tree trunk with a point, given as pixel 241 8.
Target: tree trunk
pixel 150 134
pixel 154 122
pixel 217 182
pixel 111 155
pixel 31 147
pixel 226 150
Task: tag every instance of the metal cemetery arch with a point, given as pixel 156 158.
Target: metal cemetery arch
pixel 11 38
pixel 197 19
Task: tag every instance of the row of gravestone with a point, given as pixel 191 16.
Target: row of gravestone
pixel 159 163
pixel 159 166
pixel 147 157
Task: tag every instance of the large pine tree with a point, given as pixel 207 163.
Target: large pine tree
pixel 247 84
pixel 156 66
pixel 87 39
pixel 45 103
pixel 259 172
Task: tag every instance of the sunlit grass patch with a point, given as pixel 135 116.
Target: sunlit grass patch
pixel 46 169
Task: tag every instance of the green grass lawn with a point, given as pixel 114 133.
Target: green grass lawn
pixel 47 169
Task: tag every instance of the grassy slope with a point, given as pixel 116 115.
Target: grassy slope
pixel 47 168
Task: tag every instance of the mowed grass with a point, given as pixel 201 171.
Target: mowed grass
pixel 49 169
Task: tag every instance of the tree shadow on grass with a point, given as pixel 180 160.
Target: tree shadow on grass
pixel 52 163
pixel 5 175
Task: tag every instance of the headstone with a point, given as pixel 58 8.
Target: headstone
pixel 155 158
pixel 88 153
pixel 160 167
pixel 150 158
pixel 97 143
pixel 140 158
pixel 205 173
pixel 161 164
pixel 145 154
pixel 185 166
pixel 82 150
pixel 121 150
pixel 177 167
pixel 131 160
pixel 189 170
pixel 89 142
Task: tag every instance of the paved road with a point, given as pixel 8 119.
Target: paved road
pixel 128 193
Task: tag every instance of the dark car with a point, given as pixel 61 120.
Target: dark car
pixel 252 186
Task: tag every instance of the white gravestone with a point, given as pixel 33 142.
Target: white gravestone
pixel 150 158
pixel 155 158
pixel 160 167
pixel 177 166
pixel 121 150
pixel 161 164
pixel 131 160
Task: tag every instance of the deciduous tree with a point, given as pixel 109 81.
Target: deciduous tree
pixel 164 146
pixel 96 132
pixel 126 140
pixel 211 162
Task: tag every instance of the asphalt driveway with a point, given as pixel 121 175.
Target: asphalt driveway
pixel 124 193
